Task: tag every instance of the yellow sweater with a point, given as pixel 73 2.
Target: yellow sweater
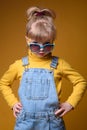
pixel 15 71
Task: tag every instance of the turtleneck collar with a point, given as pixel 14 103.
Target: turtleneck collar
pixel 34 57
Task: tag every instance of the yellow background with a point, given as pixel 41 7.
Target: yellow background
pixel 71 44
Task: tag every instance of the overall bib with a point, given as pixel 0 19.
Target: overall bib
pixel 38 96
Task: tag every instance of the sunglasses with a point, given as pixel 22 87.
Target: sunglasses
pixel 36 47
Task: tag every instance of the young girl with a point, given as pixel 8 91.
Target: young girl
pixel 40 75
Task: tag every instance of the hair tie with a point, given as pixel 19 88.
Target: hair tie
pixel 39 13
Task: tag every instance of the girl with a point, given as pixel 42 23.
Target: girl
pixel 40 75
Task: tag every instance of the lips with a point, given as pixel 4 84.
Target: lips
pixel 41 53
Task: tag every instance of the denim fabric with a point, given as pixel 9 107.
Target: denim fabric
pixel 39 121
pixel 37 93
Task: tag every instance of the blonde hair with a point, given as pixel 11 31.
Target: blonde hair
pixel 40 26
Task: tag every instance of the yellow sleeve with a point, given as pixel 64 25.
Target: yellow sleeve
pixel 6 83
pixel 78 82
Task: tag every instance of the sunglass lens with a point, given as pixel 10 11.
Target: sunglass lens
pixel 48 48
pixel 34 48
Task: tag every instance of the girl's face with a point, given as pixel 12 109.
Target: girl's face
pixel 40 49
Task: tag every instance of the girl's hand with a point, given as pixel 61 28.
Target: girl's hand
pixel 16 109
pixel 64 108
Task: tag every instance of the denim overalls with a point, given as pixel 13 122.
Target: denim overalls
pixel 37 93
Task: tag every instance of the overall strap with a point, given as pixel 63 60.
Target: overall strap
pixel 25 61
pixel 54 62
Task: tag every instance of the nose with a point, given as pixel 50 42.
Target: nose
pixel 41 49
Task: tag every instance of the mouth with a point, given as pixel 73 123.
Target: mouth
pixel 41 53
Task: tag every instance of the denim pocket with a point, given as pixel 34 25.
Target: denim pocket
pixel 37 88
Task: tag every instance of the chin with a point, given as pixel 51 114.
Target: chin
pixel 40 55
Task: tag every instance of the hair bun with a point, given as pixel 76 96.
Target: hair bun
pixel 45 12
pixel 38 12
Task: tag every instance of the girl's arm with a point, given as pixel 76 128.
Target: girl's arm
pixel 6 83
pixel 79 88
pixel 78 82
